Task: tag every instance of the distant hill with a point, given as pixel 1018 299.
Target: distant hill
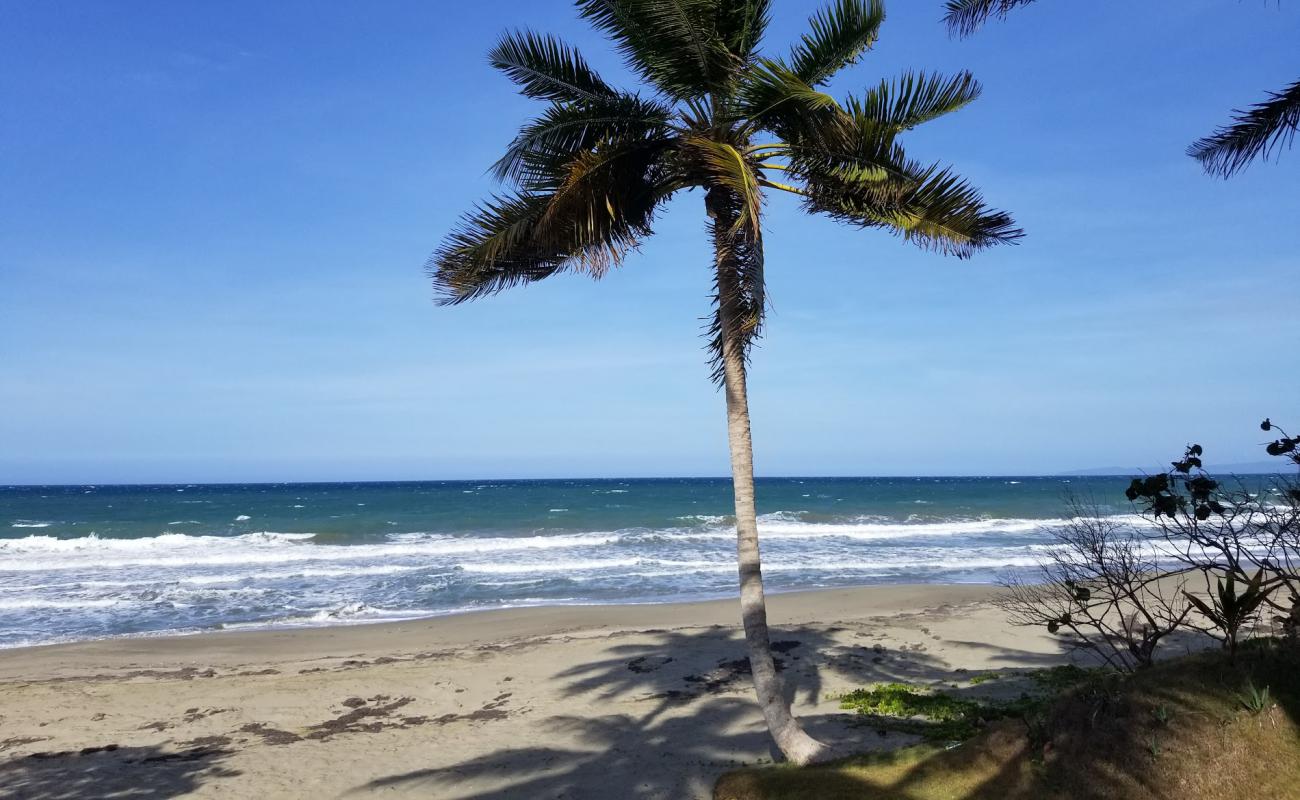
pixel 1240 468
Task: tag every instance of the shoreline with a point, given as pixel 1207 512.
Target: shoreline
pixel 473 626
pixel 290 627
pixel 528 702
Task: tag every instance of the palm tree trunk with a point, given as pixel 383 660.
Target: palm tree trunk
pixel 789 735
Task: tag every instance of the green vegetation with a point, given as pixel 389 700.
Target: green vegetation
pixel 1063 676
pixel 935 716
pixel 938 716
pixel 1254 699
pixel 1199 726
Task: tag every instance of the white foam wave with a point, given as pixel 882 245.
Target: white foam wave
pixel 33 603
pixel 550 566
pixel 42 552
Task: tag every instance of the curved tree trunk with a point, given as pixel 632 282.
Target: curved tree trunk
pixel 790 738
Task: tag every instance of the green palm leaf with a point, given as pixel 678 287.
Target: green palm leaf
pixel 673 44
pixel 840 34
pixel 494 247
pixel 547 69
pixel 964 17
pixel 936 210
pixel 741 25
pixel 598 208
pixel 1258 132
pixel 567 131
pixel 774 98
pixel 915 98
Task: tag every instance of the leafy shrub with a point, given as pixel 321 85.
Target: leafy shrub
pixel 1232 532
pixel 1102 589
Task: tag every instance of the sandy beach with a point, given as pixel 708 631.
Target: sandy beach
pixel 582 702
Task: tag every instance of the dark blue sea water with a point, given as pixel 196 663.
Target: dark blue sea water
pixel 80 562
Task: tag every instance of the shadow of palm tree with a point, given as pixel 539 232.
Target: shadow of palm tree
pixel 682 700
pixel 112 773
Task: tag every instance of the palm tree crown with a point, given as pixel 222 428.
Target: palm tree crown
pixel 587 176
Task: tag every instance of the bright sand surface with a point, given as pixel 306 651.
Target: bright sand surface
pixel 575 702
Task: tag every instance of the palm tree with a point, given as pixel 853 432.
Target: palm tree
pixel 588 176
pixel 1259 132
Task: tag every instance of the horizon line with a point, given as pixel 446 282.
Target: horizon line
pixel 725 478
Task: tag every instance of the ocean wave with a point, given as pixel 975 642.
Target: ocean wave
pixel 27 604
pixel 241 568
pixel 177 581
pixel 267 548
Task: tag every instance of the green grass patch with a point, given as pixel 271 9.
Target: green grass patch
pixel 1066 676
pixel 933 715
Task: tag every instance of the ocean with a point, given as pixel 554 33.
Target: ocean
pixel 84 562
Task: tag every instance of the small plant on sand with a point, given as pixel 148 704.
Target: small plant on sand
pixel 1229 609
pixel 1253 699
pixel 1161 715
pixel 1153 746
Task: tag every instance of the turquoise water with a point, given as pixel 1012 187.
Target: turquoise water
pixel 81 562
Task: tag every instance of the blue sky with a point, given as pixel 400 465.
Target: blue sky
pixel 213 221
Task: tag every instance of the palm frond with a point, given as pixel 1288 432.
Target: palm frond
pixel 850 150
pixel 601 206
pixel 740 294
pixel 493 248
pixel 964 17
pixel 1258 132
pixel 673 44
pixel 840 34
pixel 546 68
pixel 774 98
pixel 939 211
pixel 915 98
pixel 566 130
pixel 614 180
pixel 883 173
pixel 741 25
